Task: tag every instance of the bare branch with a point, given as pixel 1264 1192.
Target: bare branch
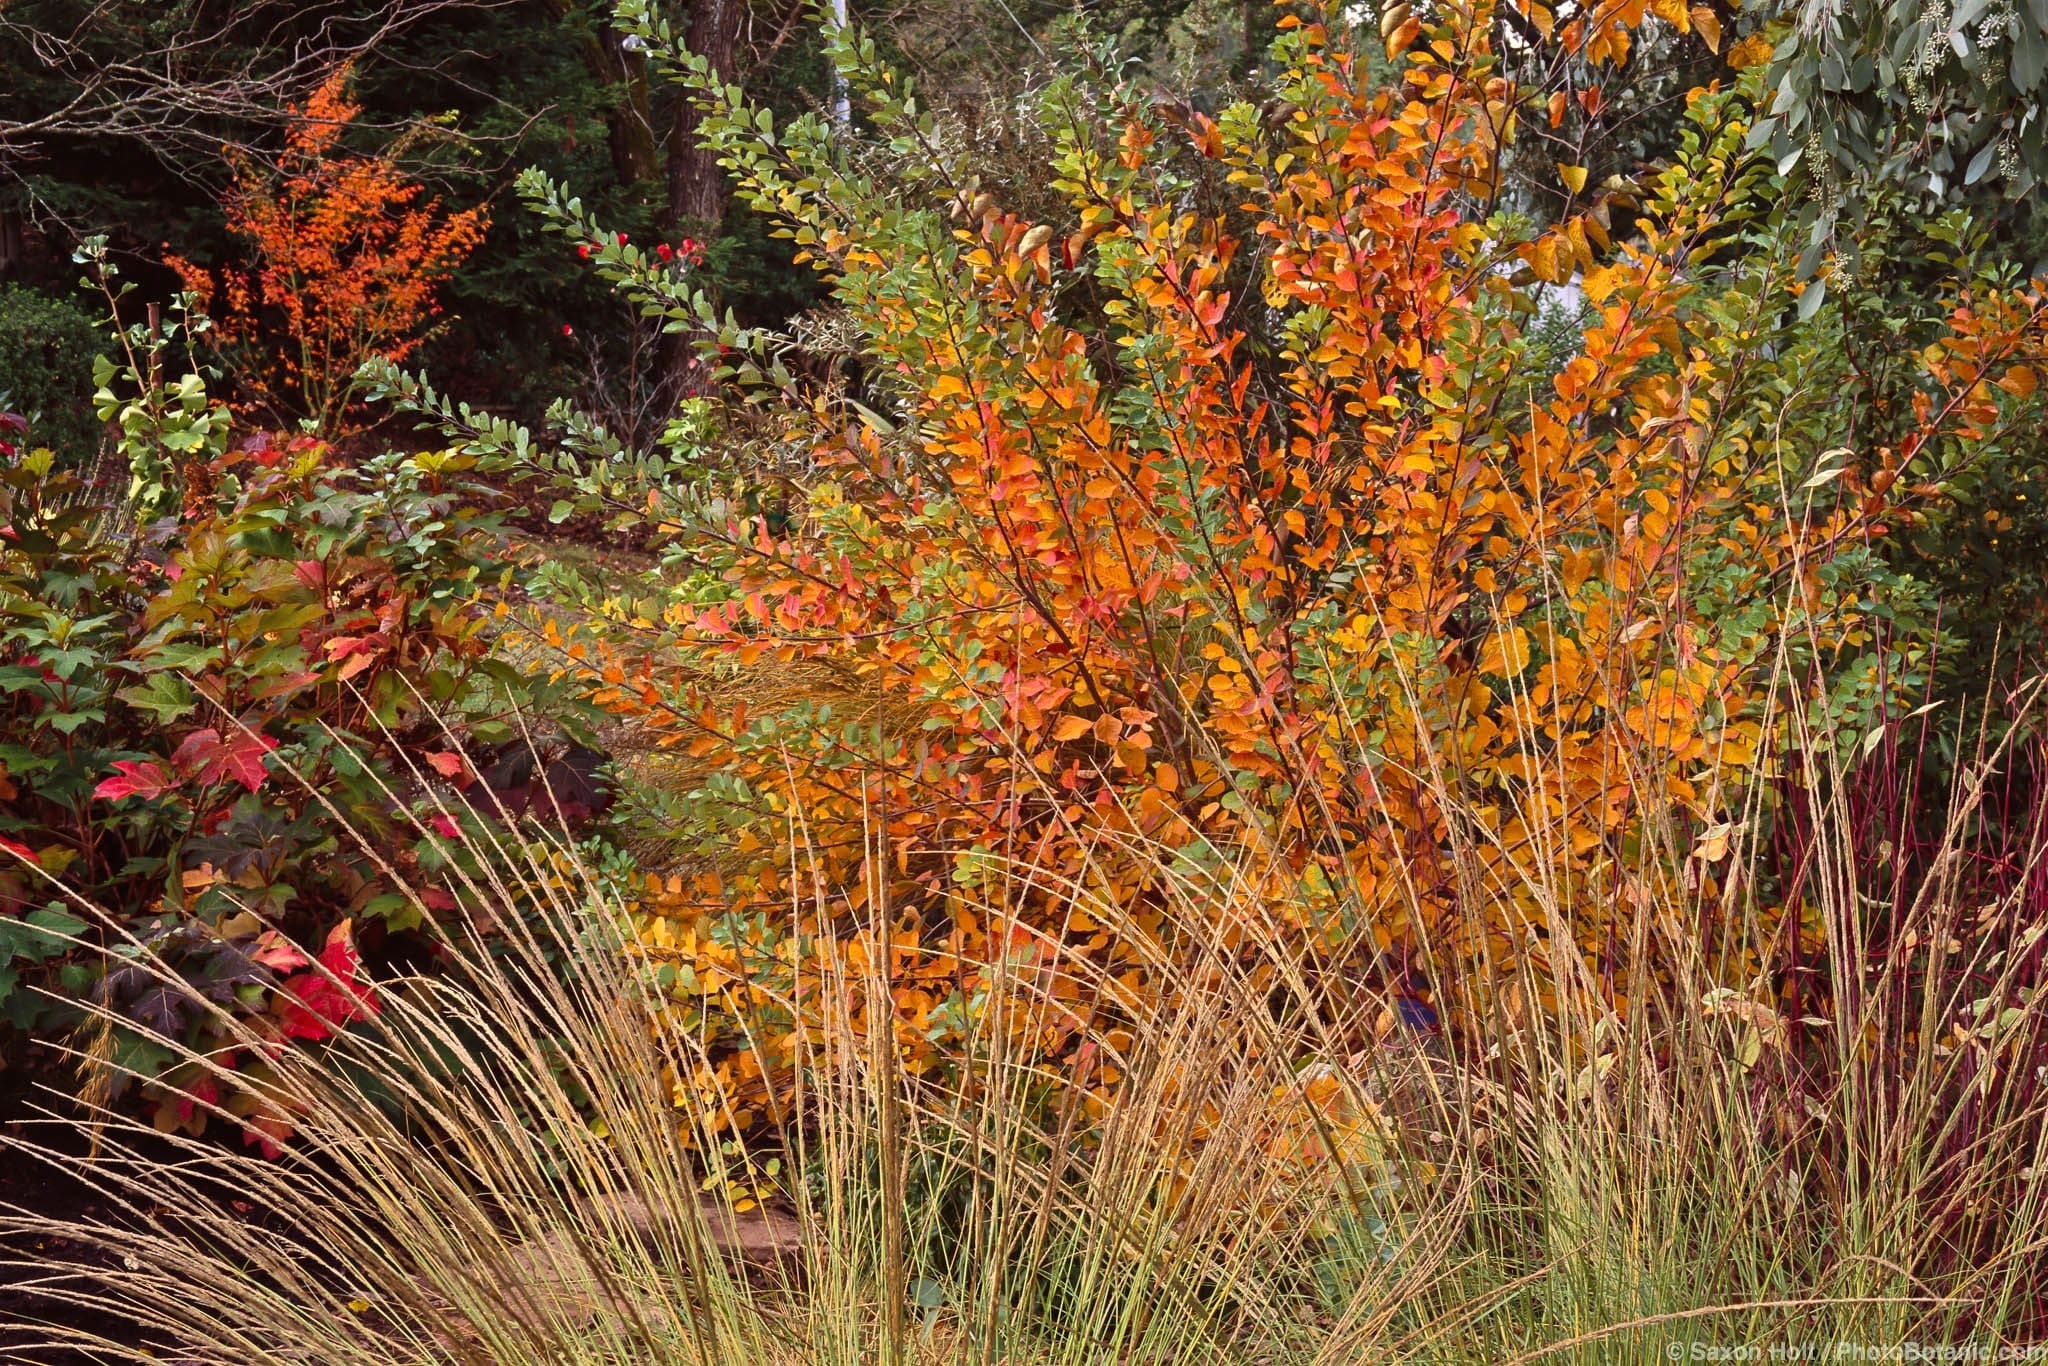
pixel 187 78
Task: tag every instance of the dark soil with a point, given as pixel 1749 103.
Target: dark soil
pixel 50 1191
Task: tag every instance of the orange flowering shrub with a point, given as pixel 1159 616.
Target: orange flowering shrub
pixel 1233 527
pixel 346 255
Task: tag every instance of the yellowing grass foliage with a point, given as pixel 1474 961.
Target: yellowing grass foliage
pixel 1264 1166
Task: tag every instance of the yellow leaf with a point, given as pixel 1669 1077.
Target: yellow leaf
pixel 1709 25
pixel 1506 652
pixel 1070 728
pixel 239 925
pixel 1754 50
pixel 55 858
pixel 1582 250
pixel 1574 177
pixel 1713 845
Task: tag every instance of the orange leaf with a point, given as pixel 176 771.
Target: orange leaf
pixel 1709 25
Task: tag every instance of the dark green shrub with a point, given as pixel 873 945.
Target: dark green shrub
pixel 46 351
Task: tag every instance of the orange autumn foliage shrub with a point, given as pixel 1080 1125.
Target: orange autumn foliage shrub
pixel 1218 546
pixel 346 254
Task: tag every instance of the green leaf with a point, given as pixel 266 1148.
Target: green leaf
pixel 1810 300
pixel 1980 163
pixel 40 934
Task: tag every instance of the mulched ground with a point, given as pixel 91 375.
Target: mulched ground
pixel 52 1192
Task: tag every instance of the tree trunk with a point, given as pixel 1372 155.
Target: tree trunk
pixel 13 249
pixel 697 190
pixel 629 121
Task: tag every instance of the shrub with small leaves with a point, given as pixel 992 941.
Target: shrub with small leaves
pixel 1225 513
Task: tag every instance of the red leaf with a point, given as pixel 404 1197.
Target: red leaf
pixel 360 652
pixel 277 953
pixel 268 1132
pixel 326 1001
pixel 242 759
pixel 445 826
pixel 446 764
pixel 135 778
pixel 339 953
pixel 303 1019
pixel 204 756
pixel 205 1091
pixel 196 752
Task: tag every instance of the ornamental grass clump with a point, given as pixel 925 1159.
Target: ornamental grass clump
pixel 503 1162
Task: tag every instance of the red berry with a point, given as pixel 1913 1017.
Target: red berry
pixel 584 251
pixel 664 251
pixel 622 239
pixel 568 331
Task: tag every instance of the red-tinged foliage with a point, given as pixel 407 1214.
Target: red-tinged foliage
pixel 142 778
pixel 1286 565
pixel 206 759
pixel 272 950
pixel 448 765
pixel 312 1005
pixel 347 254
pixel 205 732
